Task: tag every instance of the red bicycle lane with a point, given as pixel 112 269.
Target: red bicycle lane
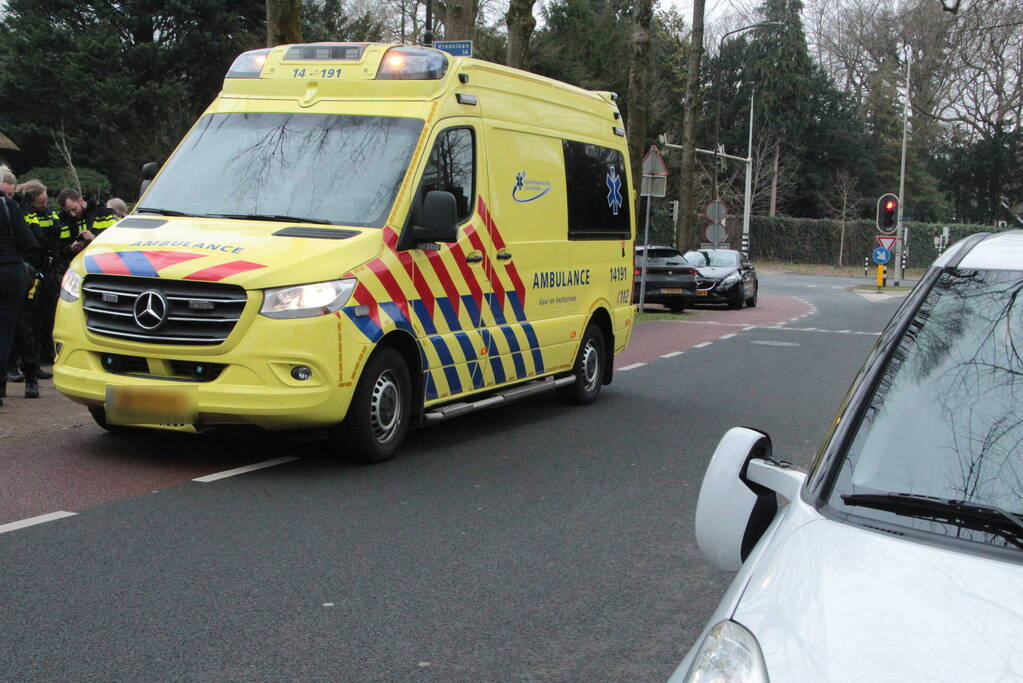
pixel 652 339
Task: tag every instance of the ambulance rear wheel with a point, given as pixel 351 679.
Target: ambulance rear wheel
pixel 588 369
pixel 378 416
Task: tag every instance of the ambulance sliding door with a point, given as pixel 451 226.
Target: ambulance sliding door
pixel 538 286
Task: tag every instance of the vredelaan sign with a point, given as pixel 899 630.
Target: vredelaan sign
pixel 455 48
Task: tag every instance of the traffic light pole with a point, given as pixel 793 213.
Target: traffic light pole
pixel 900 231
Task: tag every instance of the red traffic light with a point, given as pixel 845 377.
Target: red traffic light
pixel 890 205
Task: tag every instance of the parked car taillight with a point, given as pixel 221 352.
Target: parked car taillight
pixel 639 271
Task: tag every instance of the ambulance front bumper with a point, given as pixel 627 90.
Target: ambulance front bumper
pixel 253 382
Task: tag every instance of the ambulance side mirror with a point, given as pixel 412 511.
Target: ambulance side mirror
pixel 149 172
pixel 437 220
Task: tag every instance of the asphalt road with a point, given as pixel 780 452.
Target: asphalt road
pixel 544 542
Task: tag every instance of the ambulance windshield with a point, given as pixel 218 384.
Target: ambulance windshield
pixel 322 168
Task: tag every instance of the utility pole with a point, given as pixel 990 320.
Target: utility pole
pixel 900 231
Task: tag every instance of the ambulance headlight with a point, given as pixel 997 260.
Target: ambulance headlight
pixel 71 286
pixel 307 301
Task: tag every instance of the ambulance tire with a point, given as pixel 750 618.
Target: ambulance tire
pixel 378 416
pixel 588 369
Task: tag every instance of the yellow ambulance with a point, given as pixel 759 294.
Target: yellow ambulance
pixel 361 238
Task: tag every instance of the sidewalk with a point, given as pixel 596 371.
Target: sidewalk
pixel 20 416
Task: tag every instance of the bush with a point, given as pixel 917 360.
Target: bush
pixel 805 240
pixel 93 182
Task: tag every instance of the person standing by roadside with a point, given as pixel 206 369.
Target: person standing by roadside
pixel 118 207
pixel 45 225
pixel 83 219
pixel 15 239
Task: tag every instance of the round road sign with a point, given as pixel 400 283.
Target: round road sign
pixel 716 211
pixel 716 233
pixel 882 256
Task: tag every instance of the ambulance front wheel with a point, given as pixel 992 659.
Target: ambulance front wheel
pixel 588 369
pixel 378 416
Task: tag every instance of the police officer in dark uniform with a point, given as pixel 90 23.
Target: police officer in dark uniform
pixel 15 239
pixel 83 219
pixel 43 220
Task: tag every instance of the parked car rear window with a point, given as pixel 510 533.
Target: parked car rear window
pixel 945 419
pixel 659 253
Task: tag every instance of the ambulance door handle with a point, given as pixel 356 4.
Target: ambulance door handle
pixel 503 255
pixel 474 257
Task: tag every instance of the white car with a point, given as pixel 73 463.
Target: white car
pixel 899 555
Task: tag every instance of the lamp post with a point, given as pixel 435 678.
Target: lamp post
pixel 717 112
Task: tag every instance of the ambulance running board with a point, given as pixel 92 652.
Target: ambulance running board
pixel 452 409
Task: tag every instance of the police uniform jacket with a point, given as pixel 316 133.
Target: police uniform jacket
pixel 96 218
pixel 15 236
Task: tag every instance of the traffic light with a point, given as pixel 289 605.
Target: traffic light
pixel 887 212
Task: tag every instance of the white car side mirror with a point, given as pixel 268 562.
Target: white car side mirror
pixel 733 512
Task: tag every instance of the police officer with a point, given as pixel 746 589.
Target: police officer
pixel 83 220
pixel 15 239
pixel 38 214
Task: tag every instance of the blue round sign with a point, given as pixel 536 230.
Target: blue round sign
pixel 882 256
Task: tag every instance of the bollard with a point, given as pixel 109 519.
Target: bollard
pixel 880 276
pixel 866 266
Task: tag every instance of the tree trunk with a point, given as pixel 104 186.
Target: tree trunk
pixel 460 22
pixel 774 180
pixel 283 22
pixel 841 233
pixel 520 28
pixel 687 188
pixel 639 79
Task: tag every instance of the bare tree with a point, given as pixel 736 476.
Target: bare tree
pixel 639 79
pixel 842 204
pixel 687 188
pixel 60 142
pixel 283 22
pixel 521 23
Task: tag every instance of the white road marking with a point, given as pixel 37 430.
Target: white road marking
pixel 672 354
pixel 32 521
pixel 700 346
pixel 242 470
pixel 631 367
pixel 774 343
pixel 727 336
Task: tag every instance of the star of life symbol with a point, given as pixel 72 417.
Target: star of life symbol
pixel 518 179
pixel 614 190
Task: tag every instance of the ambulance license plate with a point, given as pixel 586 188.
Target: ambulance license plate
pixel 673 290
pixel 127 405
pixel 701 292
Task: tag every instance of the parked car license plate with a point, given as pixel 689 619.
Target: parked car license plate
pixel 701 292
pixel 128 405
pixel 673 290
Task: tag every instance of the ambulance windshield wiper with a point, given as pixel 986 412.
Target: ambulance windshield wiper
pixel 986 518
pixel 162 212
pixel 266 217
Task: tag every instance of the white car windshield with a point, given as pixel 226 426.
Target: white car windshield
pixel 945 420
pixel 326 168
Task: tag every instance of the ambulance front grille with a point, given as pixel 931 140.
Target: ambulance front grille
pixel 157 311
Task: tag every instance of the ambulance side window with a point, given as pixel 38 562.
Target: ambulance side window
pixel 597 192
pixel 452 168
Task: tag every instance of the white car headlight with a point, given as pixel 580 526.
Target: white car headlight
pixel 307 301
pixel 71 286
pixel 729 654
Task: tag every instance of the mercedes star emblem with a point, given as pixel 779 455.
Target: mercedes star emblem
pixel 150 309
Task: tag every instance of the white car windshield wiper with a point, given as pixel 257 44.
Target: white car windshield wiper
pixel 265 217
pixel 986 518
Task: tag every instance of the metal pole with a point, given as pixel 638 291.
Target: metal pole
pixel 900 229
pixel 748 204
pixel 428 26
pixel 646 248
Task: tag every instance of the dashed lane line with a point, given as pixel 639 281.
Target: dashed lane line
pixel 727 336
pixel 32 521
pixel 242 470
pixel 672 354
pixel 631 367
pixel 700 346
